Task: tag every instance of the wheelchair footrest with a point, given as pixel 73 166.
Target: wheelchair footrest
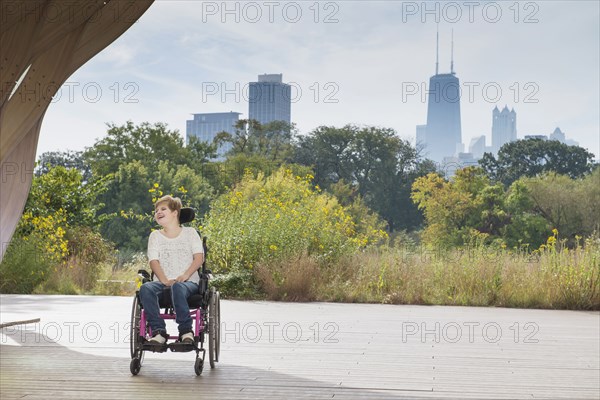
pixel 155 348
pixel 181 347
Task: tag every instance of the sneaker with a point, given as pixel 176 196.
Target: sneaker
pixel 159 338
pixel 187 338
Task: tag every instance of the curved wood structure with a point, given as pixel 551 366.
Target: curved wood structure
pixel 42 42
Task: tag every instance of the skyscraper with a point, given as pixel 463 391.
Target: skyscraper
pixel 206 126
pixel 504 127
pixel 477 146
pixel 442 133
pixel 270 99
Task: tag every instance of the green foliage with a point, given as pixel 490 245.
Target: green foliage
pixel 200 152
pixel 531 157
pixel 375 161
pixel 236 284
pixel 271 141
pixel 469 206
pixel 68 159
pixel 135 158
pixel 65 189
pixel 569 205
pixel 147 143
pixel 183 182
pixel 129 205
pixel 58 230
pixel 280 217
pixel 225 175
pixel 25 265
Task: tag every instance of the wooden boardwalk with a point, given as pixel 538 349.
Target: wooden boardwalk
pixel 80 350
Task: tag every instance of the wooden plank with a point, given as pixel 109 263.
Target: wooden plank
pixel 281 350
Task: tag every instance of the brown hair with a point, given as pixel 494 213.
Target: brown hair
pixel 174 203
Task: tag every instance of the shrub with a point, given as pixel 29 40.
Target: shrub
pixel 289 280
pixel 25 265
pixel 265 220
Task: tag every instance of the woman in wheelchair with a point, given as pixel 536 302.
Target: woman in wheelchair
pixel 175 254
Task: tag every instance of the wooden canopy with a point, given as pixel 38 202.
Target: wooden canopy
pixel 42 42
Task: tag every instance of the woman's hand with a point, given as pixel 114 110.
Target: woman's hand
pixel 181 278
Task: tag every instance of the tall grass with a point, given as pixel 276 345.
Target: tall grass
pixel 552 277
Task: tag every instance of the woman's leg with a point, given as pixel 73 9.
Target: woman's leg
pixel 180 291
pixel 149 293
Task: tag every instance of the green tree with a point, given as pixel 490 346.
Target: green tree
pixel 129 204
pixel 569 205
pixel 376 161
pixel 200 152
pixel 67 159
pixel 61 188
pixel 470 205
pixel 531 157
pixel 182 181
pixel 138 157
pixel 148 143
pixel 272 141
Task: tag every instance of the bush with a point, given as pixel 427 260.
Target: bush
pixel 289 280
pixel 266 220
pixel 87 252
pixel 236 284
pixel 25 265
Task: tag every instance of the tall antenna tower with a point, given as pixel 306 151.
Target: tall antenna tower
pixel 452 54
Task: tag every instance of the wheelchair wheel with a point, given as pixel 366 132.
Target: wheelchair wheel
pixel 134 366
pixel 134 332
pixel 213 327
pixel 218 326
pixel 198 366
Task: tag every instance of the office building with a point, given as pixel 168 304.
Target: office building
pixel 206 127
pixel 504 127
pixel 442 134
pixel 477 146
pixel 270 99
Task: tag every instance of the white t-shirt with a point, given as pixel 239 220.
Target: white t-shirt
pixel 175 255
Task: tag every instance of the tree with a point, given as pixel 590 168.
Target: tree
pixel 61 188
pixel 569 205
pixel 67 159
pixel 471 206
pixel 379 164
pixel 532 157
pixel 271 141
pixel 200 152
pixel 148 143
pixel 138 158
pixel 129 203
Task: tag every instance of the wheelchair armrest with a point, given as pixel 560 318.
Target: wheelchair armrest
pixel 144 275
pixel 203 282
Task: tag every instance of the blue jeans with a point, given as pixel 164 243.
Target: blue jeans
pixel 180 291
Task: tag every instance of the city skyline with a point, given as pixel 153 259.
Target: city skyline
pixel 340 73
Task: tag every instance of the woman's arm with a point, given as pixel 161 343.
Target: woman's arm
pixel 160 274
pixel 194 266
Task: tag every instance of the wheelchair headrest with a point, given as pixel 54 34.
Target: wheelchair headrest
pixel 186 215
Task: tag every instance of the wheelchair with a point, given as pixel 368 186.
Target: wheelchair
pixel 205 310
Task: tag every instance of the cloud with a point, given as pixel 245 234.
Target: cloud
pixel 362 61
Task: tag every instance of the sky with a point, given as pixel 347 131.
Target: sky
pixel 349 62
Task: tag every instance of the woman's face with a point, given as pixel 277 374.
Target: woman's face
pixel 164 216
